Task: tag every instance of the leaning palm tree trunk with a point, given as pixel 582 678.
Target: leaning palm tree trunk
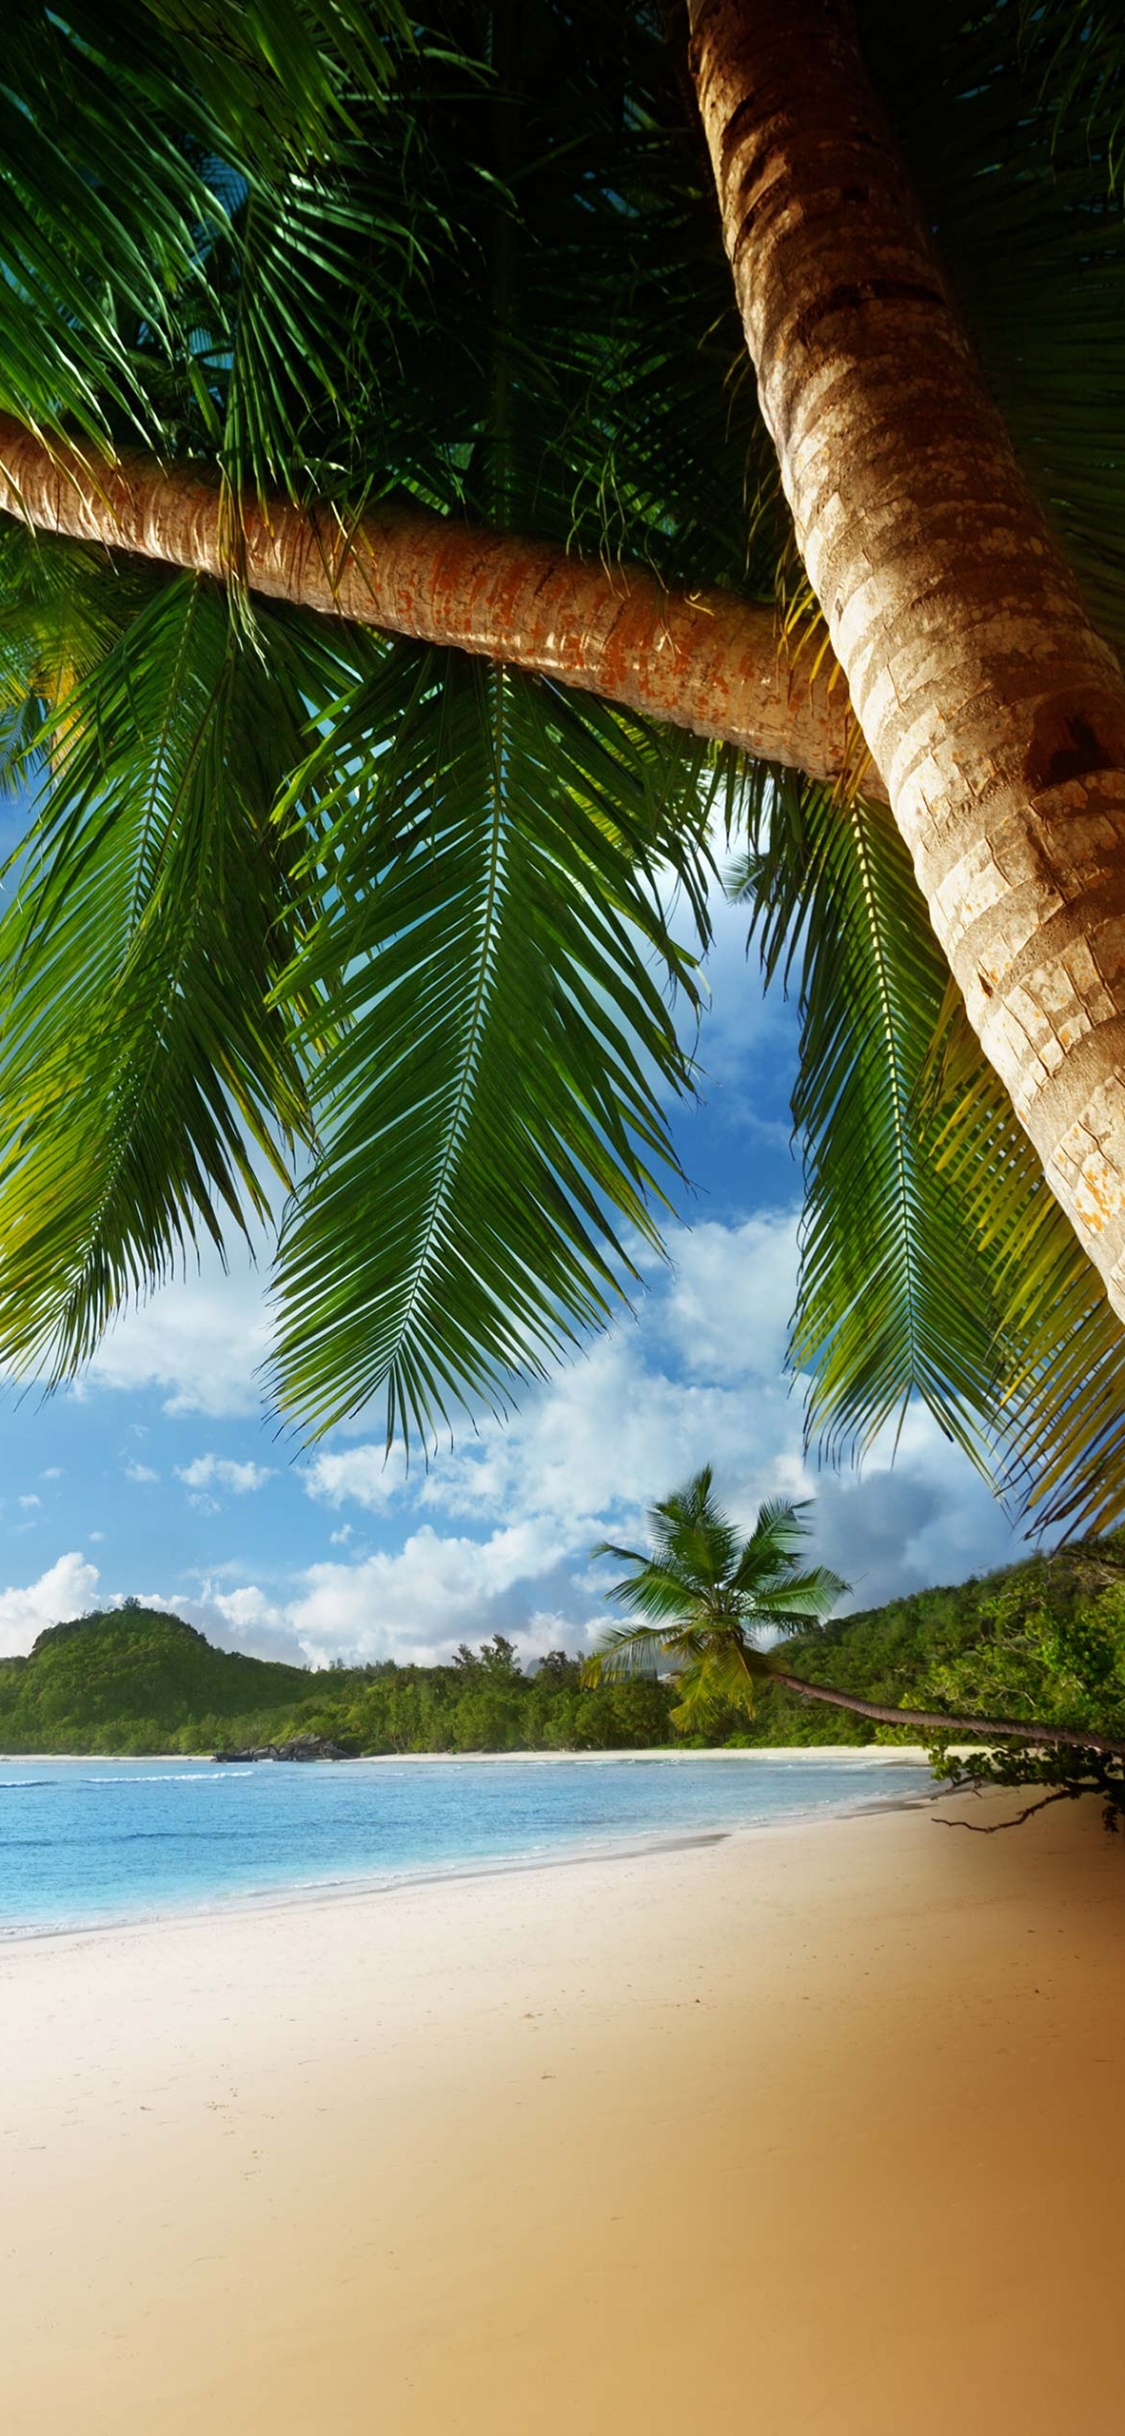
pixel 701 660
pixel 993 711
pixel 933 1722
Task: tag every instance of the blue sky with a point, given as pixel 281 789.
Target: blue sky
pixel 159 1474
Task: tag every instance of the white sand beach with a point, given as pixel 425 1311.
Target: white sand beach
pixel 815 2130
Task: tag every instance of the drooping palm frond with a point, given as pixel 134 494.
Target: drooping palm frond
pixel 282 74
pixel 278 371
pixel 895 1296
pixel 119 128
pixel 1060 1353
pixel 60 618
pixel 1077 55
pixel 935 1258
pixel 146 1088
pixel 492 1114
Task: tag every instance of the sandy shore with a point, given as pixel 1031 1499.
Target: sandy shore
pixel 870 1754
pixel 812 2131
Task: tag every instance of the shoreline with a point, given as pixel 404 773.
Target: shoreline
pixel 423 2166
pixel 907 1754
pixel 300 1894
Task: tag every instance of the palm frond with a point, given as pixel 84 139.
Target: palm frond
pixel 61 617
pixel 146 1088
pixel 95 236
pixel 1077 57
pixel 125 134
pixel 281 74
pixel 665 1587
pixel 724 1677
pixel 776 1540
pixel 798 1602
pixel 1060 1398
pixel 317 261
pixel 894 1296
pixel 934 1257
pixel 493 1114
pixel 628 1649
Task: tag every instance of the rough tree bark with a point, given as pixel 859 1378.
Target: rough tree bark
pixel 701 660
pixel 994 712
pixel 933 1722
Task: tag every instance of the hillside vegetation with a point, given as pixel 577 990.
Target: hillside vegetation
pixel 1045 1639
pixel 134 1680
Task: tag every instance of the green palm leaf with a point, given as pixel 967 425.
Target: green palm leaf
pixel 62 614
pixel 935 1259
pixel 146 1089
pixel 493 1112
pixel 314 263
pixel 1060 1394
pixel 895 1296
pixel 124 131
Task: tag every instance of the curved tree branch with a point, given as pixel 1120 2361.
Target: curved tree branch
pixel 707 661
pixel 933 1722
pixel 1066 1793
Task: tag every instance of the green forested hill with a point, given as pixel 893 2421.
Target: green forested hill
pixel 131 1679
pixel 1045 1639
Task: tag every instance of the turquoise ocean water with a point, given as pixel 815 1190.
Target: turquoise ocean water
pixel 88 1841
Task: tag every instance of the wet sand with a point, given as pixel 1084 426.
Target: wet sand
pixel 812 2129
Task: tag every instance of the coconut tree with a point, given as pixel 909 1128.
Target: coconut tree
pixel 397 567
pixel 707 1596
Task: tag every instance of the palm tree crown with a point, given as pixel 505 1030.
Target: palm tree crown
pixel 406 942
pixel 707 1593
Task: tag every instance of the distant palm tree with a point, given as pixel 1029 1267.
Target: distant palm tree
pixel 706 1593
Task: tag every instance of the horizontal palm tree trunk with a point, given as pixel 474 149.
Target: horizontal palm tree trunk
pixel 994 712
pixel 931 1721
pixel 703 660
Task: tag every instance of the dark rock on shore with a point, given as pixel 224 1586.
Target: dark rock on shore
pixel 301 1746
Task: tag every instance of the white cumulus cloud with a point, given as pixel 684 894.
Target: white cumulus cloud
pixel 727 1306
pixel 219 1472
pixel 640 1410
pixel 199 1341
pixel 64 1591
pixel 421 1600
pixel 365 1475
